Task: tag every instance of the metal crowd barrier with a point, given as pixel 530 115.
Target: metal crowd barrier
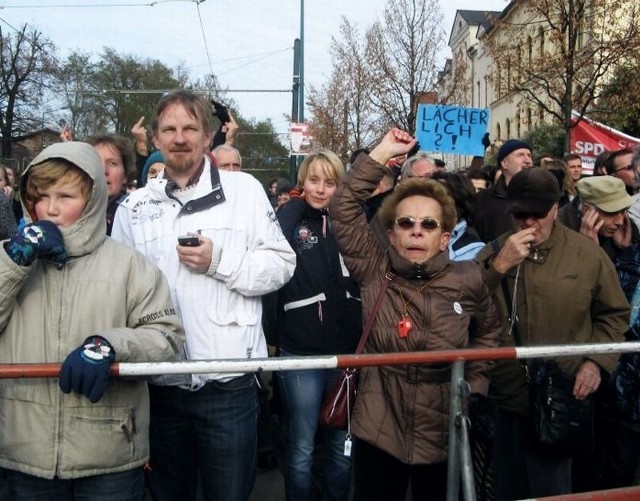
pixel 622 494
pixel 127 369
pixel 460 467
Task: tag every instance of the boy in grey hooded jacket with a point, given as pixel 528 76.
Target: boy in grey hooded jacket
pixel 69 293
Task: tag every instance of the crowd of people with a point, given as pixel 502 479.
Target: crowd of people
pixel 114 252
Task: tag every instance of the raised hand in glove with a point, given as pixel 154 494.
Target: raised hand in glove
pixel 41 239
pixel 220 111
pixel 86 369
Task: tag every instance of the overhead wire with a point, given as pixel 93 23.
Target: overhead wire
pixel 266 54
pixel 255 60
pixel 10 25
pixel 86 5
pixel 204 38
pixel 258 57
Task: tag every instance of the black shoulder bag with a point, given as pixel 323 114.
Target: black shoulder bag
pixel 562 423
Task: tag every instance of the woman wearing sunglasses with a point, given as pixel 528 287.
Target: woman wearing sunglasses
pixel 401 417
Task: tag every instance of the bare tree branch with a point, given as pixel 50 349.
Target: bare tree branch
pixel 585 41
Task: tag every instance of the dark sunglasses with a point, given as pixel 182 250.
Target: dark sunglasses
pixel 408 222
pixel 628 167
pixel 527 215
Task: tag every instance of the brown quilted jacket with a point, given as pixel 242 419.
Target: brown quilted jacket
pixel 404 410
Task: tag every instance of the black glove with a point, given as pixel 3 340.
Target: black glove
pixel 220 111
pixel 37 240
pixel 86 369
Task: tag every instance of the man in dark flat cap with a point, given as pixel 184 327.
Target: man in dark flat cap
pixel 552 286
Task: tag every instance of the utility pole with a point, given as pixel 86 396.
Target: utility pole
pixel 297 107
pixel 301 94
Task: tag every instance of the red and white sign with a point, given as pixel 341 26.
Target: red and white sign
pixel 301 139
pixel 590 138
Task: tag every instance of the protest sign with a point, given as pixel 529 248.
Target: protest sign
pixel 451 129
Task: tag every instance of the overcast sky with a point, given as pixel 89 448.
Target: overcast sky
pixel 250 42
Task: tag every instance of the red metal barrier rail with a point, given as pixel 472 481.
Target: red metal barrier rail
pixel 327 362
pixel 622 494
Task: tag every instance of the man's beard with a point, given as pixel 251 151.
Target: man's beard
pixel 181 164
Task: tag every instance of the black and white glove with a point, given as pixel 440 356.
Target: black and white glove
pixel 86 369
pixel 41 239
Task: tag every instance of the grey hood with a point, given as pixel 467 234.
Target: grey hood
pixel 90 230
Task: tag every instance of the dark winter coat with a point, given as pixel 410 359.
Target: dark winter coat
pixel 8 226
pixel 492 219
pixel 568 293
pixel 320 306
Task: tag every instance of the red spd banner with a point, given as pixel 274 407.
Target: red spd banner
pixel 590 138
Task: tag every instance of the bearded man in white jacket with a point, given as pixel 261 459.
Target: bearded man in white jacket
pixel 206 425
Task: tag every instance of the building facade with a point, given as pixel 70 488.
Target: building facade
pixel 496 55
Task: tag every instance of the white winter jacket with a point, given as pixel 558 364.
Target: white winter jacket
pixel 222 309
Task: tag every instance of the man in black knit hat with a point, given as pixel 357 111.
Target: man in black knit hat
pixel 492 219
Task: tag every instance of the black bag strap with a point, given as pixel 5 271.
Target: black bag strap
pixel 512 321
pixel 372 315
pixel 514 327
pixel 495 246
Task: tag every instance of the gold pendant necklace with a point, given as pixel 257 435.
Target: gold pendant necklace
pixel 405 324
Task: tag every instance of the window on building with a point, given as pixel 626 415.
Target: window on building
pixel 486 92
pixel 581 41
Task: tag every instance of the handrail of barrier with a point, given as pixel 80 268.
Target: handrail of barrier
pixel 242 365
pixel 460 468
pixel 620 494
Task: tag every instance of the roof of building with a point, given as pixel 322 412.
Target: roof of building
pixel 478 17
pixel 35 133
pixel 481 18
